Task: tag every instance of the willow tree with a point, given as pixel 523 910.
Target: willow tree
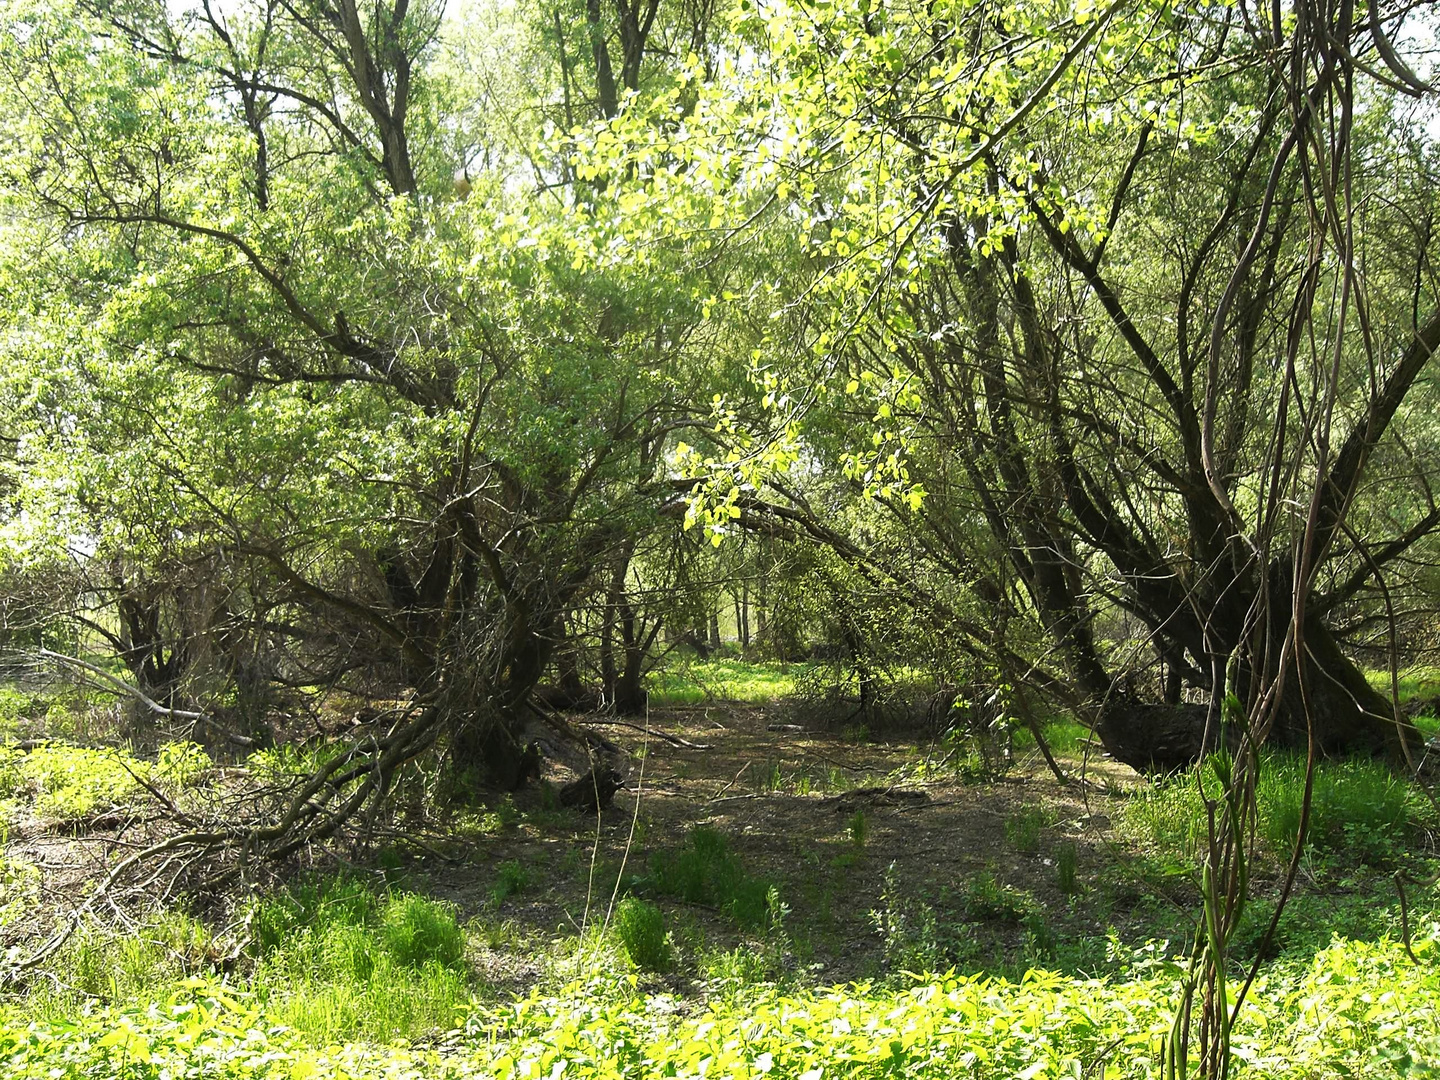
pixel 1115 310
pixel 276 296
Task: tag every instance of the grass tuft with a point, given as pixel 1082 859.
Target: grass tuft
pixel 1022 829
pixel 704 871
pixel 641 928
pixel 337 958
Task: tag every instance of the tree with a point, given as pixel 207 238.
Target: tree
pixel 1092 297
pixel 253 321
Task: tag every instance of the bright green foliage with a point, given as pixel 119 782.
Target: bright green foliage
pixel 15 705
pixel 181 763
pixel 1360 811
pixel 72 782
pixel 705 871
pixel 1358 1010
pixel 725 680
pixel 19 880
pixel 640 925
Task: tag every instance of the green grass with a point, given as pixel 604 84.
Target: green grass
pixel 1360 811
pixel 333 959
pixel 1064 737
pixel 341 961
pixel 338 959
pixel 511 879
pixel 1414 682
pixel 1022 829
pixel 1067 861
pixel 697 681
pixel 703 870
pixel 121 969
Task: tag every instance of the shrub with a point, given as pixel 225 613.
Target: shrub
pixel 641 929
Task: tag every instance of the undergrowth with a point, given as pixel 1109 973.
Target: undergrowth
pixel 1356 1010
pixel 1361 813
pixel 703 870
pixel 693 682
pixel 67 783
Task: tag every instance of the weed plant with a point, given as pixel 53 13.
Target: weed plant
pixel 990 900
pixel 1022 830
pixel 859 829
pixel 908 927
pixel 1066 865
pixel 641 928
pixel 705 871
pixel 511 879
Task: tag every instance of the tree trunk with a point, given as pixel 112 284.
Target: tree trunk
pixel 1347 715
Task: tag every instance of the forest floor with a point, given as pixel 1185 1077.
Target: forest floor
pixel 775 849
pixel 841 827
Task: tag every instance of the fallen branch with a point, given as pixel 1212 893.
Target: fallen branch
pixel 112 682
pixel 673 740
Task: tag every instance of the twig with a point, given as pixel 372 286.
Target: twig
pixel 1405 919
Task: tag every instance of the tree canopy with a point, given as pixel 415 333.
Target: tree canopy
pixel 1082 350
